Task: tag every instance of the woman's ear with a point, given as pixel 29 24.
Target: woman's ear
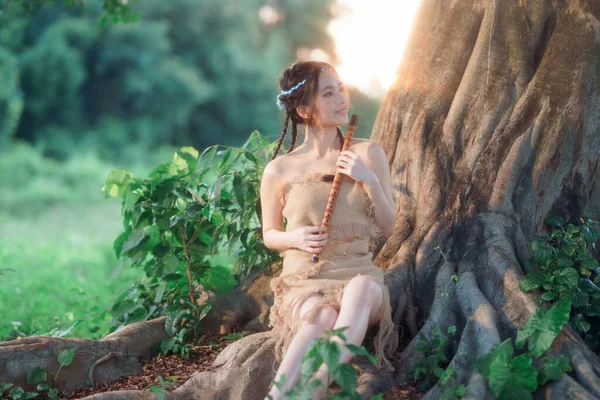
pixel 303 111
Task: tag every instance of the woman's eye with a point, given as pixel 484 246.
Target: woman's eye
pixel 328 94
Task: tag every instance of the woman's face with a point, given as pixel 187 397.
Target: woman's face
pixel 332 101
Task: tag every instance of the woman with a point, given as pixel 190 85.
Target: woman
pixel 344 289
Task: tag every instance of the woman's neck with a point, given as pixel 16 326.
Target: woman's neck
pixel 321 140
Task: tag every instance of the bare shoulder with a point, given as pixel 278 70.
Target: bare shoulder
pixel 274 169
pixel 279 168
pixel 367 148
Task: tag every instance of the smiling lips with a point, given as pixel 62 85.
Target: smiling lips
pixel 343 111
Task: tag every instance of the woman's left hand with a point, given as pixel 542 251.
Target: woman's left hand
pixel 349 163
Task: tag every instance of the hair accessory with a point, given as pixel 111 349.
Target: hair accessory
pixel 287 92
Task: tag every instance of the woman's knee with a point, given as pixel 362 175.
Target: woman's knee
pixel 364 290
pixel 325 318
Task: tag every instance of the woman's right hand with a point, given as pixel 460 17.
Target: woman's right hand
pixel 309 238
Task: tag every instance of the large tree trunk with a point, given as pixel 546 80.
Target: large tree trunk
pixel 493 124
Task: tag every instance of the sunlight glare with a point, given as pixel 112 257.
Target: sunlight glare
pixel 370 37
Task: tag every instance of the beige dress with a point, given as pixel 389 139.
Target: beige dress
pixel 346 254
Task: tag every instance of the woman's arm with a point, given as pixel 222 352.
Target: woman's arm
pixel 379 190
pixel 274 236
pixel 367 164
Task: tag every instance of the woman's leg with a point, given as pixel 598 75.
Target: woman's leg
pixel 361 307
pixel 292 361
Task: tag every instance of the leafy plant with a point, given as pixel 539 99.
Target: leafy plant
pixel 447 380
pixel 7 391
pixel 565 267
pixel 182 215
pixel 180 328
pixel 431 368
pixel 515 377
pixel 543 326
pixel 327 351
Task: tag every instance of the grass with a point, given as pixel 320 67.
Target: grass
pixel 65 270
pixel 56 233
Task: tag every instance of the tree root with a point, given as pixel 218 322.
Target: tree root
pixel 104 360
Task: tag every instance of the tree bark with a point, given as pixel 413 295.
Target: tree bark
pixel 493 124
pixel 105 360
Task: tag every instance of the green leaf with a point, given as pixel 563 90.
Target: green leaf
pixel 16 393
pixel 238 189
pixel 190 156
pixel 543 326
pixel 172 321
pixel 65 358
pixel 123 307
pixel 553 369
pixel 119 242
pixel 548 296
pixel 134 238
pixel 137 315
pixel 131 199
pixel 53 394
pixel 117 183
pixel 532 281
pixel 345 375
pixel 42 386
pixel 587 262
pixel 36 375
pixel 580 299
pixel 311 361
pixel 4 387
pixel 564 262
pixel 586 285
pixel 568 277
pixel 29 395
pixel 554 220
pixel 166 345
pixel 517 376
pixel 503 351
pixel 541 250
pixel 331 354
pixel 447 375
pixel 225 158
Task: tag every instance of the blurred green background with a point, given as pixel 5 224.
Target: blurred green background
pixel 79 98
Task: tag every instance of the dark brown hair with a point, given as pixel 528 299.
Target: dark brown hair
pixel 305 95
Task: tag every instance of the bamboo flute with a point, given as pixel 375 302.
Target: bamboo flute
pixel 337 180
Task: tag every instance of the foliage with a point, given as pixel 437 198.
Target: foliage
pixel 179 217
pixel 452 391
pixel 515 377
pixel 11 98
pixel 327 351
pixel 193 72
pixel 564 266
pixel 31 184
pixel 543 326
pixel 430 369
